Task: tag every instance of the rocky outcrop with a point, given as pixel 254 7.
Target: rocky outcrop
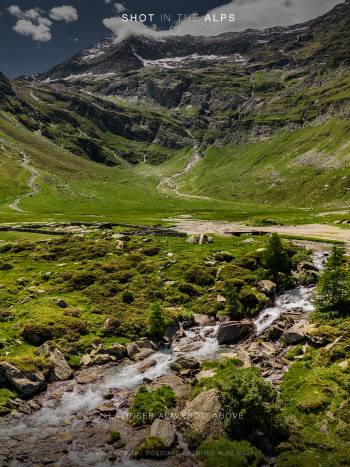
pixel 297 333
pixel 267 287
pixel 305 266
pixel 178 385
pixel 143 366
pixel 232 332
pixel 163 430
pixel 133 348
pixel 200 239
pixel 204 320
pixel 184 363
pixel 117 350
pixel 60 370
pixel 203 414
pixel 26 383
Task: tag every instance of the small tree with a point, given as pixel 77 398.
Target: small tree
pixel 333 289
pixel 234 306
pixel 156 321
pixel 275 258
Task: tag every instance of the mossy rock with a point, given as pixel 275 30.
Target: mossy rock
pixel 151 448
pixel 226 453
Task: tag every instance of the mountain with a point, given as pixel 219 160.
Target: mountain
pixel 267 110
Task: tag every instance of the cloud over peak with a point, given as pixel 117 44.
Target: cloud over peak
pixel 249 14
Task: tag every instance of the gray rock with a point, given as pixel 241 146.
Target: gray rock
pixel 117 350
pixel 297 333
pixel 204 320
pixel 143 354
pixel 305 266
pixel 232 332
pixel 132 349
pixel 27 383
pixel 111 325
pixel 163 430
pixel 184 363
pixel 267 287
pixel 143 366
pixel 60 371
pixel 202 413
pixel 86 360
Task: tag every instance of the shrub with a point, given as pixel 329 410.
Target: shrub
pixel 114 437
pixel 189 289
pixel 153 251
pixel 157 323
pixel 248 262
pixel 234 306
pixel 81 280
pixel 275 258
pixel 225 453
pixel 193 439
pixel 333 289
pixel 200 276
pixel 252 300
pixel 245 391
pixel 302 255
pixel 151 447
pixel 148 405
pixel 127 297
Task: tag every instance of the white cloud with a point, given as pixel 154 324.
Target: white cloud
pixel 34 23
pixel 31 23
pixel 256 14
pixel 119 7
pixel 14 10
pixel 65 13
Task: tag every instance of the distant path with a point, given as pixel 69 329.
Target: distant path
pixel 171 182
pixel 223 228
pixel 33 187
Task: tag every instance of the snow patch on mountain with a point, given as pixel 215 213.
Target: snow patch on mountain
pixel 173 62
pixel 95 51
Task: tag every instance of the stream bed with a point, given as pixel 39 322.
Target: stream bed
pixel 68 430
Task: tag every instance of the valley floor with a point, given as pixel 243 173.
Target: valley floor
pixel 224 228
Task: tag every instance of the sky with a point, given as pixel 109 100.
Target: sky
pixel 38 34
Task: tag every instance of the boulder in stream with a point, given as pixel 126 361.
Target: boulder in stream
pixel 232 332
pixel 143 366
pixel 184 363
pixel 297 333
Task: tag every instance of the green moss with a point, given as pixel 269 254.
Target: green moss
pixel 151 447
pixel 225 453
pixel 148 405
pixel 113 437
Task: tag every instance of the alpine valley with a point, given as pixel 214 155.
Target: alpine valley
pixel 261 117
pixel 174 252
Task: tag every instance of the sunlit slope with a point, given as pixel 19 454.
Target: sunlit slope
pixel 74 188
pixel 307 168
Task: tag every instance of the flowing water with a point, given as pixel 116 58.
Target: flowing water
pixel 65 400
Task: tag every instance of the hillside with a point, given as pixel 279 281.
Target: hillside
pixel 259 118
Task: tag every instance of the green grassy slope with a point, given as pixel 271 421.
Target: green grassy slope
pixel 74 188
pixel 302 168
